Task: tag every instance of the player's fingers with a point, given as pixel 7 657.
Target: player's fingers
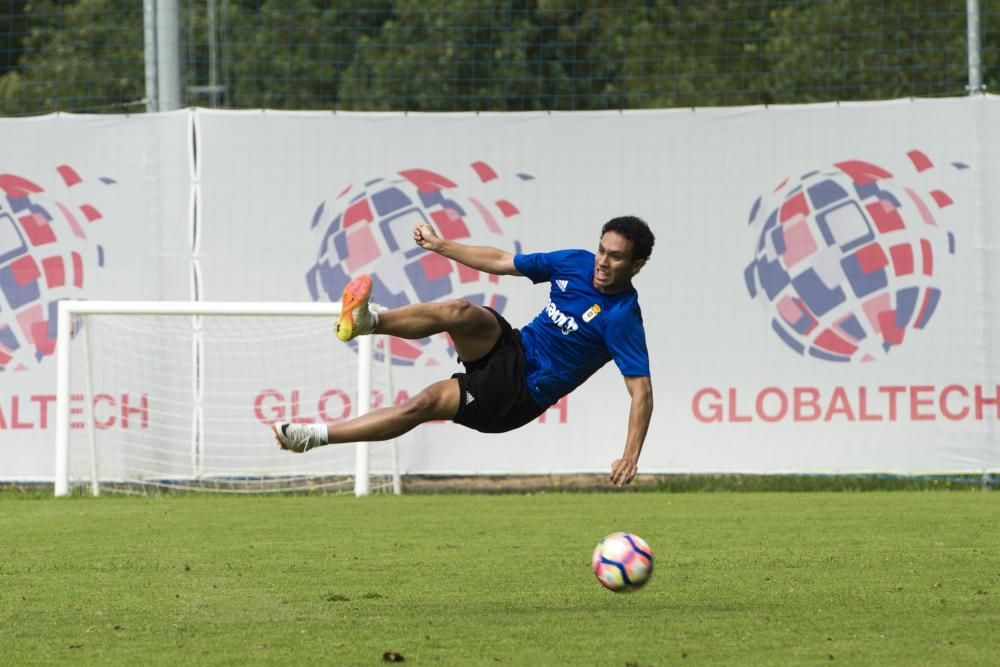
pixel 617 472
pixel 625 474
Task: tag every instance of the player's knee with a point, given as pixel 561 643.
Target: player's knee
pixel 459 310
pixel 424 405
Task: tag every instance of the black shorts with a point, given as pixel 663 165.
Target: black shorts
pixel 494 393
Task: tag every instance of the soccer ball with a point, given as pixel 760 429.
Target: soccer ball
pixel 623 562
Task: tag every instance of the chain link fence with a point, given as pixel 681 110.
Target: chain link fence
pixel 107 56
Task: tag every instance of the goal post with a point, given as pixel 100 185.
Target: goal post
pixel 179 395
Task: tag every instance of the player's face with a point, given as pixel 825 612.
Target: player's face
pixel 613 265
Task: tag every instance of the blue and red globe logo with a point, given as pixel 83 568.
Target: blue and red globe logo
pixel 846 258
pixel 46 254
pixel 370 230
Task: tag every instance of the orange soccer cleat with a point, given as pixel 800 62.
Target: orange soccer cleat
pixel 356 319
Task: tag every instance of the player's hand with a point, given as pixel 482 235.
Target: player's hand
pixel 623 471
pixel 425 237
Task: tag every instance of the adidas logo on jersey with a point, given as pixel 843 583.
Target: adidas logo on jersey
pixel 562 285
pixel 469 398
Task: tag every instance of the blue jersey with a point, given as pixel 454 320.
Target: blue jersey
pixel 580 329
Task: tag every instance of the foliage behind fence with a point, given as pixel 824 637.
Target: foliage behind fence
pixel 497 55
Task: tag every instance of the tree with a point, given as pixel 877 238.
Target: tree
pixel 291 54
pixel 13 27
pixel 454 55
pixel 83 56
pixel 503 55
pixel 862 50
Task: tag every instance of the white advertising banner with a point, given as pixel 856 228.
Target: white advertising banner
pixel 821 297
pixel 91 207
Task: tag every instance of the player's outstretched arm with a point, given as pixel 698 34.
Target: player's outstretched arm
pixel 623 470
pixel 482 258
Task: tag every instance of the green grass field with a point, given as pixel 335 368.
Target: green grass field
pixel 894 578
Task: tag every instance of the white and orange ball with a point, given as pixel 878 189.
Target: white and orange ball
pixel 622 562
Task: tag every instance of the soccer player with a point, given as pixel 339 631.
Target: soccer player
pixel 512 376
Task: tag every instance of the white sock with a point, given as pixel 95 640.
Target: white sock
pixel 318 432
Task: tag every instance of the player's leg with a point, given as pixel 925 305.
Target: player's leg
pixel 437 401
pixel 473 329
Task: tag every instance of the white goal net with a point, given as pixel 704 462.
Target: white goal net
pixel 155 396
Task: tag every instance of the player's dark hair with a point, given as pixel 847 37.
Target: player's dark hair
pixel 635 230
